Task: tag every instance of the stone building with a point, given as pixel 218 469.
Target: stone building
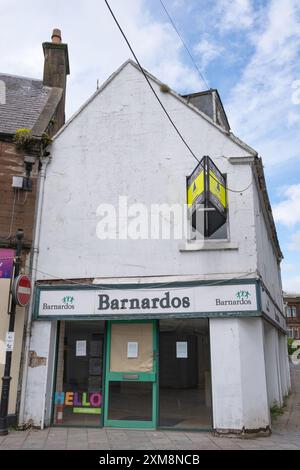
pixel 292 309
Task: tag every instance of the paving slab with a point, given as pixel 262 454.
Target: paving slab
pixel 285 435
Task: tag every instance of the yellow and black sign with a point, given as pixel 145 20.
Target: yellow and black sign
pixel 216 186
pixel 206 192
pixel 195 189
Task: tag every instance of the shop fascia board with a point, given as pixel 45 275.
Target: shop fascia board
pixel 149 316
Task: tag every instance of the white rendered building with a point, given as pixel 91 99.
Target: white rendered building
pixel 141 331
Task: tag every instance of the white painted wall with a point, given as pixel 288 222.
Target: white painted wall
pixel 267 264
pixel 37 378
pixel 239 388
pixel 284 368
pixel 122 144
pixel 272 365
pixel 226 374
pixel 253 373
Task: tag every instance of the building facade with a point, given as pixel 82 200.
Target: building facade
pixel 292 309
pixel 31 112
pixel 132 326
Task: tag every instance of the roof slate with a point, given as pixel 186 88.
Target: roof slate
pixel 25 99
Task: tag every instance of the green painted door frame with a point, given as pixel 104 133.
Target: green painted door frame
pixel 142 377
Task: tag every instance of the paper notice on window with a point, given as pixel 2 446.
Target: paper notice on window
pixel 181 349
pixel 132 349
pixel 80 348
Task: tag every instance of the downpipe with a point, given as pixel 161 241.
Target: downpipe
pixel 33 275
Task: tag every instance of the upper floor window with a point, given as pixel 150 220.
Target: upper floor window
pixel 290 333
pixel 293 333
pixel 207 201
pixel 291 311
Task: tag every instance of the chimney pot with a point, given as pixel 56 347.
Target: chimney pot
pixel 56 36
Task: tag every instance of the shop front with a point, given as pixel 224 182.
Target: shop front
pixel 136 356
pixel 135 373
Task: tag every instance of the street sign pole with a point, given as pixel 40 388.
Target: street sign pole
pixel 12 313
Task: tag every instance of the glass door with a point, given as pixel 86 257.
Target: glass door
pixel 130 385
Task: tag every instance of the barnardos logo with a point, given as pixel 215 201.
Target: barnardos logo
pixel 242 297
pixel 146 303
pixel 67 304
pixel 68 299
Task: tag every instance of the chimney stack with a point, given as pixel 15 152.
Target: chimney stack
pixel 56 36
pixel 56 69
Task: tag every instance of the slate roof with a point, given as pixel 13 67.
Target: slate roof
pixel 25 99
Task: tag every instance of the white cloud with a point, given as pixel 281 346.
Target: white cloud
pixel 260 106
pixel 236 14
pixel 293 117
pixel 96 47
pixel 287 212
pixel 291 285
pixel 207 51
pixel 288 267
pixel 294 244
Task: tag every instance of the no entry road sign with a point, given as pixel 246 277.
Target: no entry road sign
pixel 21 290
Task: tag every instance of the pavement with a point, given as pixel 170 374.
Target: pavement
pixel 285 435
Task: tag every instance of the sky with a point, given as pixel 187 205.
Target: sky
pixel 248 49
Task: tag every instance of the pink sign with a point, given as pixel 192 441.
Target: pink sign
pixel 6 262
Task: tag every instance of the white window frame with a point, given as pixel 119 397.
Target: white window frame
pixel 291 311
pixel 290 333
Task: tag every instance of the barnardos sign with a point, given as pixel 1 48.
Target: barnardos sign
pixel 167 301
pixel 146 300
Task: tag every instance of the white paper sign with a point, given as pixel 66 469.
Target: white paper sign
pixel 80 348
pixel 181 349
pixel 10 336
pixel 132 349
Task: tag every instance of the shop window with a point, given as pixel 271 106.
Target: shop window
pixel 184 374
pixel 78 391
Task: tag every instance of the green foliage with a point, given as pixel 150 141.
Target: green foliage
pixel 276 410
pixel 290 349
pixel 46 140
pixel 164 88
pixel 23 138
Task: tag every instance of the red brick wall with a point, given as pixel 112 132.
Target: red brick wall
pixel 23 202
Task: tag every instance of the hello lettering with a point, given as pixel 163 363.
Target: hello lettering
pixel 78 399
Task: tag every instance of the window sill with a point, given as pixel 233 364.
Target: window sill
pixel 209 245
